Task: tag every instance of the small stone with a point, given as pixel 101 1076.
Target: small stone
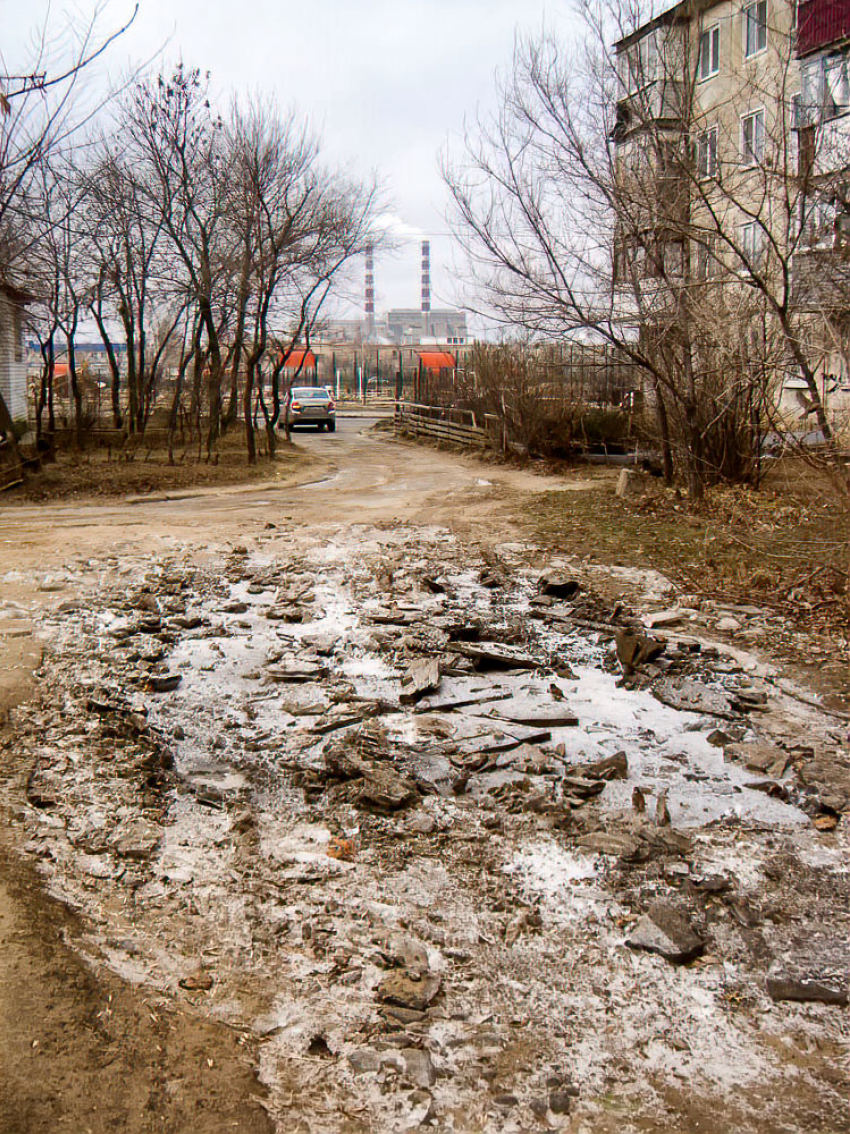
pixel 825 822
pixel 662 811
pixel 163 683
pixel 506 1100
pixel 824 990
pixel 401 989
pixel 198 982
pixel 418 1067
pixel 718 738
pixel 421 824
pixel 756 757
pixel 402 1015
pixel 364 1060
pixel 614 767
pixel 661 618
pixel 560 1102
pixel 665 930
pixel 728 625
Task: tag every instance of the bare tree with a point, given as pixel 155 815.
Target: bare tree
pixel 607 200
pixel 299 225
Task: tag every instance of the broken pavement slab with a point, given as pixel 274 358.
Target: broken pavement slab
pixel 422 676
pixel 808 989
pixel 693 697
pixel 660 619
pixel 558 583
pixel 665 929
pixel 635 650
pixel 493 655
pixel 532 711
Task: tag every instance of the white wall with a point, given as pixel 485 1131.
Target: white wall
pixel 13 371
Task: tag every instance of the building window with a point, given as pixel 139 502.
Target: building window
pixel 752 244
pixel 836 90
pixel 707 265
pixel 709 52
pixel 642 63
pixel 707 153
pixel 755 28
pixel 752 138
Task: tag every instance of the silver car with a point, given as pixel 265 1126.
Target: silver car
pixel 310 405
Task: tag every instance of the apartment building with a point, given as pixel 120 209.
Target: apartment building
pixel 732 148
pixel 822 262
pixel 708 95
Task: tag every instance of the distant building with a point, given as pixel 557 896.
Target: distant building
pixel 13 367
pixel 400 327
pixel 439 325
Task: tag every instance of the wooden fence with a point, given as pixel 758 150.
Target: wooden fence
pixel 441 423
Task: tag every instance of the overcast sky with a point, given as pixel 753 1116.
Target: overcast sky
pixel 386 82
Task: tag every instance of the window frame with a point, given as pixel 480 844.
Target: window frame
pixel 755 159
pixel 751 21
pixel 703 140
pixel 708 263
pixel 836 60
pixel 755 249
pixel 710 35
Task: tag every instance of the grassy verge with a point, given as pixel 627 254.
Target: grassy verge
pixel 105 473
pixel 785 547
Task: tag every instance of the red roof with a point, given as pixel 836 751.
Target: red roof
pixel 301 358
pixel 821 23
pixel 437 359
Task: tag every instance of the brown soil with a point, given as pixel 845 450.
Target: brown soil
pixel 81 1051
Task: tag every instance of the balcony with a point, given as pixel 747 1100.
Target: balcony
pixel 821 23
pixel 659 103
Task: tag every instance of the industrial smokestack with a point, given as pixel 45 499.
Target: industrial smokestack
pixel 426 286
pixel 369 294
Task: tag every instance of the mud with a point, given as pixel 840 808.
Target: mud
pixel 460 962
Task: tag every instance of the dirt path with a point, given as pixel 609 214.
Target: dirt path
pixel 259 914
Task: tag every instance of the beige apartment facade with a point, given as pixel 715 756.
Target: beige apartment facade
pixel 733 152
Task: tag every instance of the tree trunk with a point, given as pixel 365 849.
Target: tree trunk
pixel 664 429
pixel 114 369
pixel 76 394
pixel 247 410
pixel 213 377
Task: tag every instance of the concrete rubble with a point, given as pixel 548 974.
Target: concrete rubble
pixel 457 841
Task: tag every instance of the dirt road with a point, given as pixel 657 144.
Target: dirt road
pixel 246 882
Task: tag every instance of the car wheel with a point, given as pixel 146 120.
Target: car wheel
pixel 332 426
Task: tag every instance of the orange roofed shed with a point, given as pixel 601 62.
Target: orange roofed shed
pixel 437 360
pixel 300 359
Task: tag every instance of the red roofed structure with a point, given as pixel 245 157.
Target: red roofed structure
pixel 300 359
pixel 437 360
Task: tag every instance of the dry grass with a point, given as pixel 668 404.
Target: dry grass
pixel 786 547
pixel 105 473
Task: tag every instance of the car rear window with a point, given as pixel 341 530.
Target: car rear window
pixel 309 393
